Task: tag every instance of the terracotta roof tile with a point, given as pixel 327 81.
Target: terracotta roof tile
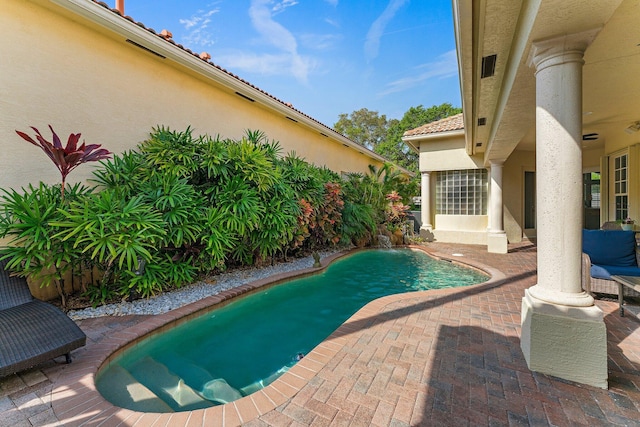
pixel 447 124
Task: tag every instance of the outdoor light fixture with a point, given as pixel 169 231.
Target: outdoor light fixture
pixel 633 127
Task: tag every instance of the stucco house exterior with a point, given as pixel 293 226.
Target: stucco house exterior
pixel 84 67
pixel 547 144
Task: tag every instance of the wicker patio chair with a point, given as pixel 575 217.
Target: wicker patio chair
pixel 31 331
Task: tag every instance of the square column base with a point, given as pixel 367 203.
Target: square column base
pixel 566 342
pixel 497 243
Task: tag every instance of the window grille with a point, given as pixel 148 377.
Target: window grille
pixel 620 187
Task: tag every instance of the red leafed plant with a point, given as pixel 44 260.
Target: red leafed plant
pixel 66 158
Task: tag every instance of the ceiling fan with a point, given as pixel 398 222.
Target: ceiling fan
pixel 590 136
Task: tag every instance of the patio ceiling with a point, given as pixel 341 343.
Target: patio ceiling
pixel 611 87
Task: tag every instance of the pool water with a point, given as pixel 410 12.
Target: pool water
pixel 237 349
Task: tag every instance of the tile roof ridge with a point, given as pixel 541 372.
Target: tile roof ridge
pixel 447 124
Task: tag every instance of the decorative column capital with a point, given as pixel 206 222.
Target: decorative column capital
pixel 560 50
pixel 425 173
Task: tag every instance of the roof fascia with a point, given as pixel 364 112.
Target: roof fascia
pixel 414 141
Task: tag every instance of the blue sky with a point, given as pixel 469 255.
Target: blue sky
pixel 326 57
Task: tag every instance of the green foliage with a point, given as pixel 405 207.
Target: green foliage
pixel 123 173
pixel 358 222
pixel 116 233
pixel 28 219
pixel 170 152
pixel 326 224
pixel 365 127
pixel 183 205
pixel 394 149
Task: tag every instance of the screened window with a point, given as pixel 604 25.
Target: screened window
pixel 462 192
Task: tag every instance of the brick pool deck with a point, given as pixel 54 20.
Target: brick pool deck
pixel 448 357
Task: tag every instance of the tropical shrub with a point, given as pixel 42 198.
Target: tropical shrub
pixel 69 157
pixel 29 220
pixel 180 206
pixel 115 234
pixel 325 224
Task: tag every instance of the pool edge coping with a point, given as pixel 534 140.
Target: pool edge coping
pixel 73 405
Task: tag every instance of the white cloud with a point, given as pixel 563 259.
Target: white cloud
pixel 276 35
pixel 197 34
pixel 320 41
pixel 332 2
pixel 267 64
pixel 282 5
pixel 445 65
pixel 372 43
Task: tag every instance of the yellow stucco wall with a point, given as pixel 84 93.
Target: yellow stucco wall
pixel 519 162
pixel 60 69
pixel 446 154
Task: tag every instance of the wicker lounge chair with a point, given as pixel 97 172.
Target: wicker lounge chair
pixel 31 331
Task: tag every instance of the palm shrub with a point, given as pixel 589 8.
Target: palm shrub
pixel 116 234
pixel 35 249
pixel 278 222
pixel 124 173
pixel 171 152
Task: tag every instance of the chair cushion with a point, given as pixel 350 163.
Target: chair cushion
pixel 616 248
pixel 606 271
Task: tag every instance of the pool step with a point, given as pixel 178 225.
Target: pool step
pixel 190 372
pixel 167 385
pixel 122 389
pixel 213 389
pixel 260 384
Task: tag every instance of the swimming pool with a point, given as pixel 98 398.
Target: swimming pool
pixel 237 349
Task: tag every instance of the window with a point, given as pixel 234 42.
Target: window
pixel 461 192
pixel 591 190
pixel 620 186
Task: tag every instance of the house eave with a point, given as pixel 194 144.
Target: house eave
pixel 129 30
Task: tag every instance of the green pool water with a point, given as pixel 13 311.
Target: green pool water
pixel 237 349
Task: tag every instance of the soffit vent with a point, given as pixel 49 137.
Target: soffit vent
pixel 245 97
pixel 478 144
pixel 292 119
pixel 145 48
pixel 482 121
pixel 488 66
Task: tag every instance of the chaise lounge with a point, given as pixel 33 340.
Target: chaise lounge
pixel 607 253
pixel 31 331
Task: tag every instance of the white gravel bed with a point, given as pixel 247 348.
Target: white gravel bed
pixel 171 300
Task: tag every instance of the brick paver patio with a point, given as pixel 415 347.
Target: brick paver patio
pixel 448 357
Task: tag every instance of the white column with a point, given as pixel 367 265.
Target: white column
pixel 425 196
pixel 563 333
pixel 497 238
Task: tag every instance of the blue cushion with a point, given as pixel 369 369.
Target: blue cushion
pixel 600 272
pixel 606 271
pixel 610 247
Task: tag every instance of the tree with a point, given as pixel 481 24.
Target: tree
pixel 397 151
pixel 365 127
